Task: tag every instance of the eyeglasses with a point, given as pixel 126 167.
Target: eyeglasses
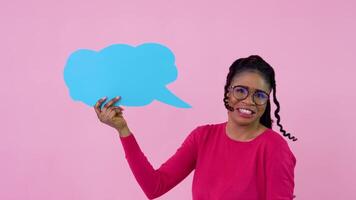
pixel 242 92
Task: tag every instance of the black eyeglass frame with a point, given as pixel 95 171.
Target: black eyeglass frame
pixel 232 88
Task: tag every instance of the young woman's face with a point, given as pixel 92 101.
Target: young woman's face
pixel 248 111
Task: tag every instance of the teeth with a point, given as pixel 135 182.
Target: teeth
pixel 245 111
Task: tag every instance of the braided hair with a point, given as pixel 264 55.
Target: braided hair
pixel 255 63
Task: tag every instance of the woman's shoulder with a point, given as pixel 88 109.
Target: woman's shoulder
pixel 277 143
pixel 207 131
pixel 209 127
pixel 275 138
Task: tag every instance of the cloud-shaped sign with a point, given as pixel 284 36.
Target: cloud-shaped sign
pixel 138 74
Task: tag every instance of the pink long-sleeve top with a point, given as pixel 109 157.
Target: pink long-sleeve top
pixel 224 168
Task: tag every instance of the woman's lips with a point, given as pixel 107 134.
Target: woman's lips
pixel 245 113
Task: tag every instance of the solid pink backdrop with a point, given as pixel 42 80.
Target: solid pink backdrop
pixel 54 148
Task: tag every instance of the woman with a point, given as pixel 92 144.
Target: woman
pixel 242 158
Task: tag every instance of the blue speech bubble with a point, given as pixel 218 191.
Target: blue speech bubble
pixel 138 74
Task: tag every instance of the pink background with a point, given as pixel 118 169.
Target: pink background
pixel 54 148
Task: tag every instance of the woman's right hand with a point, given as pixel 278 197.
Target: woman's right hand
pixel 112 115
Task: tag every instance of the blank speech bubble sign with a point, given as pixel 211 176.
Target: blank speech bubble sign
pixel 138 74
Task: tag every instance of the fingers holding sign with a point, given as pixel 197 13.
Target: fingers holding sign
pixel 109 114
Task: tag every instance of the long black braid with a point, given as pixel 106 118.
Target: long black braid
pixel 255 63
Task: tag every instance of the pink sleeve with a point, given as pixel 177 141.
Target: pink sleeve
pixel 157 182
pixel 280 173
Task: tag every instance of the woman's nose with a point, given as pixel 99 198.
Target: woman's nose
pixel 249 99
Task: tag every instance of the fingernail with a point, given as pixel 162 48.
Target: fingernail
pixel 103 98
pixel 117 97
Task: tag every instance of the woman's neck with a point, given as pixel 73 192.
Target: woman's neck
pixel 243 132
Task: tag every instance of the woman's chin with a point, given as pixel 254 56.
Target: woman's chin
pixel 242 121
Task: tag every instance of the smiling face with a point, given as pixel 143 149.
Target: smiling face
pixel 247 112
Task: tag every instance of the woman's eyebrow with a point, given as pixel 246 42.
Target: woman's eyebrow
pixel 244 86
pixel 258 90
